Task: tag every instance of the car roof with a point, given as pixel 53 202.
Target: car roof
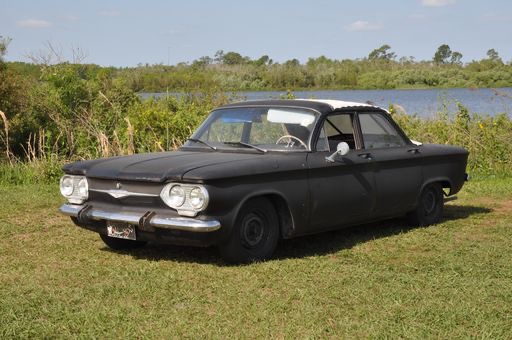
pixel 321 105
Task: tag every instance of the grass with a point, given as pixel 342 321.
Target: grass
pixel 383 280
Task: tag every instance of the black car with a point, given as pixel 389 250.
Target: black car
pixel 258 171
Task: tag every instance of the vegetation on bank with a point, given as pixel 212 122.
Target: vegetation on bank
pixel 75 112
pixel 230 71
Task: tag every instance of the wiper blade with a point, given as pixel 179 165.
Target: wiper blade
pixel 247 145
pixel 195 140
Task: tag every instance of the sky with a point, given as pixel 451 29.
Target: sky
pixel 128 33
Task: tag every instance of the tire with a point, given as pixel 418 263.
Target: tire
pixel 255 233
pixel 121 244
pixel 430 206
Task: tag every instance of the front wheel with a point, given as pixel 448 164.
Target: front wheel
pixel 430 206
pixel 255 234
pixel 121 244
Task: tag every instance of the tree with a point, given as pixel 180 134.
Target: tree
pixel 292 63
pixel 263 60
pixel 406 60
pixel 13 102
pixel 218 57
pixel 233 58
pixel 443 54
pixel 456 58
pixel 206 60
pixel 3 48
pixel 201 62
pixel 493 55
pixel 382 53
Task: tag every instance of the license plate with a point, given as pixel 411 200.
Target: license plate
pixel 121 230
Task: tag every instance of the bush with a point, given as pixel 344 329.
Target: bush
pixel 488 139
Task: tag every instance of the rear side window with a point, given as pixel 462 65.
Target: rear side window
pixel 378 132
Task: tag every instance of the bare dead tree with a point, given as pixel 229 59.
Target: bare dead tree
pixel 51 54
pixel 78 55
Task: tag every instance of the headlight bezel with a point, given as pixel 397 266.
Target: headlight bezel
pixel 186 208
pixel 79 190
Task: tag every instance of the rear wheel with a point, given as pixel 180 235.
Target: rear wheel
pixel 121 244
pixel 255 234
pixel 430 206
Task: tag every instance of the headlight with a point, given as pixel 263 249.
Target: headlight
pixel 82 188
pixel 74 188
pixel 66 186
pixel 197 197
pixel 187 199
pixel 177 196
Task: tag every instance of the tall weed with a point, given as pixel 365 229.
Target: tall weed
pixel 488 139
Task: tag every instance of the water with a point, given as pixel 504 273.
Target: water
pixel 425 103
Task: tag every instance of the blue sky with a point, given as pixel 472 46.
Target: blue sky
pixel 125 33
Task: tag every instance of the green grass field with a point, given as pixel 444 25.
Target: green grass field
pixel 383 280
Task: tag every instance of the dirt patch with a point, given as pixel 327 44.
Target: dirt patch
pixel 505 207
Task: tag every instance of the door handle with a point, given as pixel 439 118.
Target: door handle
pixel 414 151
pixel 366 155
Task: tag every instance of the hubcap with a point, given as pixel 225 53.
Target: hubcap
pixel 429 202
pixel 253 228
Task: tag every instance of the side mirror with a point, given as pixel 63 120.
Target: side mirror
pixel 341 149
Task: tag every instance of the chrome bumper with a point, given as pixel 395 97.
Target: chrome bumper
pixel 157 221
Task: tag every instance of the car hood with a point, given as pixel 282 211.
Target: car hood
pixel 165 166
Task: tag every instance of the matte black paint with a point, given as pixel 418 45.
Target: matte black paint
pixel 364 185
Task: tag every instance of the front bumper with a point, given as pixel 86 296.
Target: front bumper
pixel 146 220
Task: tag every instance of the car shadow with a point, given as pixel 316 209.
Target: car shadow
pixel 301 247
pixel 334 241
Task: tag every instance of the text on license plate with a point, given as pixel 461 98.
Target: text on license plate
pixel 121 230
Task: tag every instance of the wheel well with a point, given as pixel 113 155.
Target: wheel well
pixel 283 213
pixel 446 185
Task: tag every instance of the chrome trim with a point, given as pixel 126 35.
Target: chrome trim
pixel 98 215
pixel 71 209
pixel 116 193
pixel 157 221
pixel 181 223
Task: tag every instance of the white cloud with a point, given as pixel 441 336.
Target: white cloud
pixel 109 13
pixel 361 25
pixel 437 3
pixel 33 23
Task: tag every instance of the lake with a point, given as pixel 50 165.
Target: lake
pixel 424 103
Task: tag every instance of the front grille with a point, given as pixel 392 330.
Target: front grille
pixel 127 192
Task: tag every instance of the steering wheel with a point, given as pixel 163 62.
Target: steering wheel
pixel 290 137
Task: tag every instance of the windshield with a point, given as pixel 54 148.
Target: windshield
pixel 260 128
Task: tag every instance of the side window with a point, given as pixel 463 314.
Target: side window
pixel 378 132
pixel 336 128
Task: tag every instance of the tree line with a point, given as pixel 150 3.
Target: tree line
pixel 381 69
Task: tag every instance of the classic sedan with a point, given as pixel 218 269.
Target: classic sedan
pixel 258 171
